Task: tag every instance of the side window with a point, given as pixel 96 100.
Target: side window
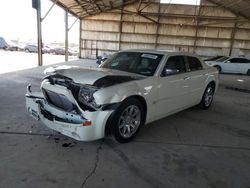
pixel 174 65
pixel 194 63
pixel 247 60
pixel 242 60
pixel 234 60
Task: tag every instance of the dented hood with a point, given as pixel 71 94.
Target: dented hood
pixel 99 77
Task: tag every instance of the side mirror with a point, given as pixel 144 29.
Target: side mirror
pixel 228 62
pixel 170 71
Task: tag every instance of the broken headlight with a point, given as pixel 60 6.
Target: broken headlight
pixel 86 97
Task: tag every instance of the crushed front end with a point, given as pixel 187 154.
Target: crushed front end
pixel 69 108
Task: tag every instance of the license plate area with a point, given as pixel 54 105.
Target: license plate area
pixel 34 113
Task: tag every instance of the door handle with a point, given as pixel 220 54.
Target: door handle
pixel 187 78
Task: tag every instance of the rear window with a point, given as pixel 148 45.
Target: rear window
pixel 194 63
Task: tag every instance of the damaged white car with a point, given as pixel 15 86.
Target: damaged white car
pixel 130 89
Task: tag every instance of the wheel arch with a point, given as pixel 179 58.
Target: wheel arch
pixel 218 67
pixel 212 83
pixel 137 97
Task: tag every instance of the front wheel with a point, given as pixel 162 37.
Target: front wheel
pixel 127 120
pixel 208 96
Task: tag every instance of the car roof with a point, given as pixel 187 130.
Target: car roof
pixel 240 58
pixel 160 51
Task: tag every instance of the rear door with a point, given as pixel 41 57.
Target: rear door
pixel 244 65
pixel 197 78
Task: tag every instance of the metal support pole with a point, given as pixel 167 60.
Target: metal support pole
pixel 232 38
pixel 39 34
pixel 120 27
pixel 80 39
pixel 66 37
pixel 157 26
pixel 197 26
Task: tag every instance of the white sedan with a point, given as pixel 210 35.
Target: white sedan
pixel 130 89
pixel 231 65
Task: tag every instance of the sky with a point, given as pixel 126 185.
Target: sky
pixel 18 22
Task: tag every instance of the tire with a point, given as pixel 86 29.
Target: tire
pixel 207 97
pixel 248 72
pixel 218 68
pixel 127 120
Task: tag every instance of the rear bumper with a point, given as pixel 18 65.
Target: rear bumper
pixel 69 124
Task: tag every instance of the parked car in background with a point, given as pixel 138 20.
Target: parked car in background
pixel 57 51
pixel 46 49
pixel 215 58
pixel 130 89
pixel 102 58
pixel 73 52
pixel 14 46
pixel 31 48
pixel 231 65
pixel 61 51
pixel 3 43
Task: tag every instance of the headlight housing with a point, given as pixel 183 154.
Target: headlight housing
pixel 85 96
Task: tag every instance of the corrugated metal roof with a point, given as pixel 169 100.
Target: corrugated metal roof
pixel 83 8
pixel 239 7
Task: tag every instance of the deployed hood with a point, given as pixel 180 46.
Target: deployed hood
pixel 98 77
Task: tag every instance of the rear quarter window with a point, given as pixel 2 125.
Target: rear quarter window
pixel 194 63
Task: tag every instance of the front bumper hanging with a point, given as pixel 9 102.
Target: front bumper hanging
pixel 81 125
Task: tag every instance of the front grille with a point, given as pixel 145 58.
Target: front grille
pixel 59 101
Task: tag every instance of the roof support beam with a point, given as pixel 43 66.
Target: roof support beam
pixel 232 38
pixel 46 14
pixel 197 25
pixel 157 27
pixel 120 26
pixel 66 37
pixel 80 39
pixel 148 18
pixel 229 7
pixel 65 8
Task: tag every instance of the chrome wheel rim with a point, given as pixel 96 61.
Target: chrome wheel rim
pixel 129 121
pixel 208 96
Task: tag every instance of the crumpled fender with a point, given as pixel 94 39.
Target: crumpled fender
pixel 117 93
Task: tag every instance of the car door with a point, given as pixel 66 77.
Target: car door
pixel 197 77
pixel 173 86
pixel 232 65
pixel 243 65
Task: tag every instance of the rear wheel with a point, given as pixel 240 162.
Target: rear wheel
pixel 127 120
pixel 218 68
pixel 208 96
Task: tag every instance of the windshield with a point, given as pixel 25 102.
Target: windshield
pixel 134 62
pixel 222 59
